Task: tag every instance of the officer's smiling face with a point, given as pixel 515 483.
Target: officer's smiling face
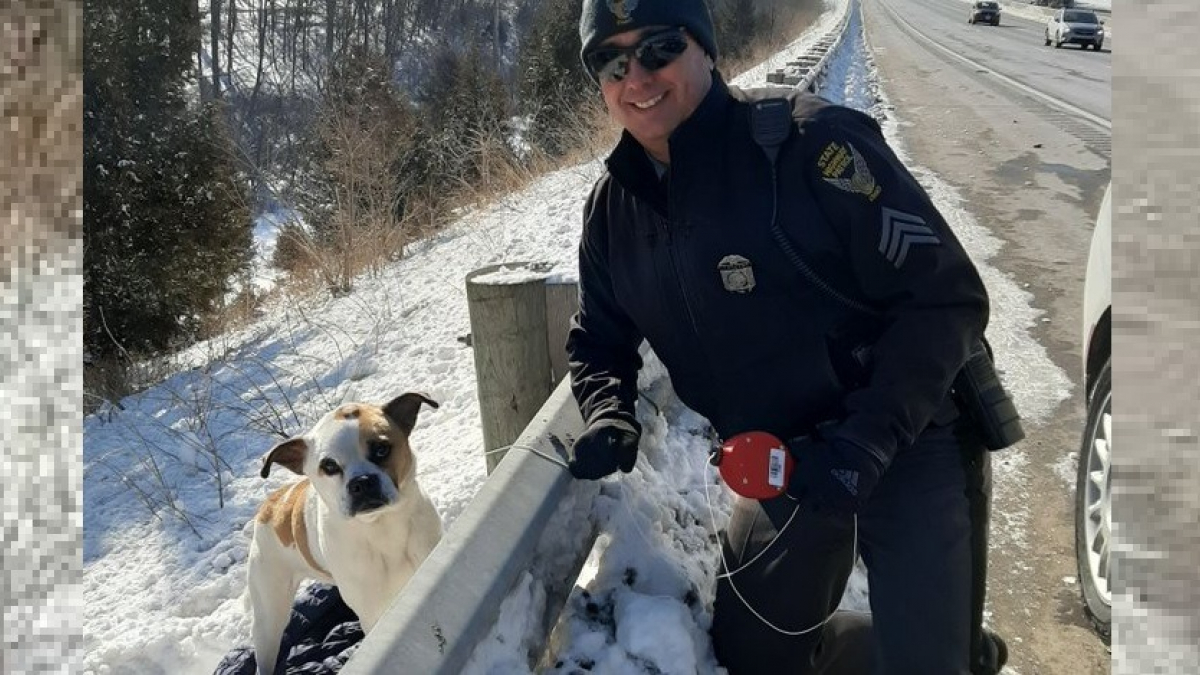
pixel 651 104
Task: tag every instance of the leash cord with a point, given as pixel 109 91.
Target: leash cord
pixel 727 574
pixel 528 448
pixel 626 497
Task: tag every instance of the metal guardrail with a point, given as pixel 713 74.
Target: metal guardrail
pixel 806 71
pixel 812 83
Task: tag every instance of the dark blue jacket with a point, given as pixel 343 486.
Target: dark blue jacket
pixel 758 356
pixel 321 636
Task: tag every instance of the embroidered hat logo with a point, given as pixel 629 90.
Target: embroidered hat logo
pixel 622 9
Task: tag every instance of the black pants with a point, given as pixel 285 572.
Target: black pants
pixel 923 538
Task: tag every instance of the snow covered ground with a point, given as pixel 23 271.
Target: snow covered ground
pixel 165 517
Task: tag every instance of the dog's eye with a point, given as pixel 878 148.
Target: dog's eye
pixel 329 467
pixel 377 451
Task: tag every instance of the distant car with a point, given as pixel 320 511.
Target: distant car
pixel 1075 26
pixel 984 11
pixel 1093 489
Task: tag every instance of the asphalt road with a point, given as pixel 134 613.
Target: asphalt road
pixel 1033 175
pixel 1016 49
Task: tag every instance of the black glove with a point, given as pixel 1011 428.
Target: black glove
pixel 833 475
pixel 607 445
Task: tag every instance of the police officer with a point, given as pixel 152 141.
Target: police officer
pixel 760 278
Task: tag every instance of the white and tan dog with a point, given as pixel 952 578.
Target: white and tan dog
pixel 358 520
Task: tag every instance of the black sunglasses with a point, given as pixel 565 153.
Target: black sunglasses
pixel 655 51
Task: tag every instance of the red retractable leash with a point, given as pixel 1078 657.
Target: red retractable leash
pixel 755 464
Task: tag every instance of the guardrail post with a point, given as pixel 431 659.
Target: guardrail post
pixel 507 305
pixel 562 302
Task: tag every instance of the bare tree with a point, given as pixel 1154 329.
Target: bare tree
pixel 389 34
pixel 215 37
pixel 362 22
pixel 496 31
pixel 232 11
pixel 205 94
pixel 330 24
pixel 252 105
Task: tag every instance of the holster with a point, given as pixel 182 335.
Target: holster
pixel 978 390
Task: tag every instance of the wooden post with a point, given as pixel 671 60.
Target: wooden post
pixel 507 305
pixel 562 302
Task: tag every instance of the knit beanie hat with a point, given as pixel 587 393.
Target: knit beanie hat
pixel 602 19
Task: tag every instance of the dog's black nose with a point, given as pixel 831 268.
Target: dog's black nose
pixel 364 485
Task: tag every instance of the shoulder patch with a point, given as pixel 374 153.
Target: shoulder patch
pixel 844 168
pixel 902 231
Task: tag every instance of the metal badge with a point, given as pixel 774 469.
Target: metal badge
pixel 736 274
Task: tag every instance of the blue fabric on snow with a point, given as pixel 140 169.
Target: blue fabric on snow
pixel 320 637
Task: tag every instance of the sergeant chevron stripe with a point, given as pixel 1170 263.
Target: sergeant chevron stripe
pixel 901 230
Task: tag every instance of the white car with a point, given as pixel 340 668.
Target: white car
pixel 1093 489
pixel 1075 26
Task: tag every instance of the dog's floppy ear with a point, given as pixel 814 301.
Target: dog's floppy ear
pixel 403 409
pixel 289 453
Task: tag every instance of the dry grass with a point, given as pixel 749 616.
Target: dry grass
pixel 595 133
pixel 792 22
pixel 588 135
pixel 112 378
pixel 500 170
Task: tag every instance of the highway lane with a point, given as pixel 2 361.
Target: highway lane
pixel 1016 49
